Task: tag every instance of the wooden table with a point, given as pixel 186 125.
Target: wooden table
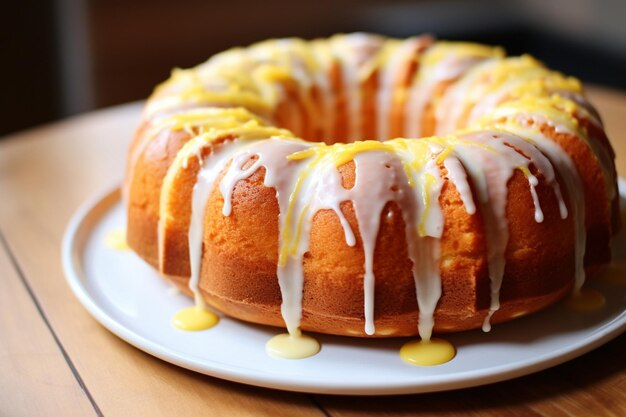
pixel 55 359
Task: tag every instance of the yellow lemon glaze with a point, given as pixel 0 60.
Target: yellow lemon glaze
pixel 614 274
pixel 116 239
pixel 297 346
pixel 195 318
pixel 587 299
pixel 427 353
pixel 240 92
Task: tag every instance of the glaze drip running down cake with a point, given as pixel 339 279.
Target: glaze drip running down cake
pixel 366 186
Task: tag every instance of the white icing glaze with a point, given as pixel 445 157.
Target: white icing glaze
pixel 561 124
pixel 420 94
pixel 399 171
pixel 452 102
pixel 387 77
pixel 210 169
pixel 380 178
pixel 487 100
pixel 314 183
pixel 490 160
pixel 321 54
pixel 571 179
pixel 350 84
pixel 456 174
pixel 280 174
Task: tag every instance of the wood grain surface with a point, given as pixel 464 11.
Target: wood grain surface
pixel 55 359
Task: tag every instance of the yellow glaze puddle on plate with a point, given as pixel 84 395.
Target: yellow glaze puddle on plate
pixel 427 353
pixel 288 346
pixel 587 299
pixel 195 318
pixel 116 239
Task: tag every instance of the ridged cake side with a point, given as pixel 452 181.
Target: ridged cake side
pixel 495 218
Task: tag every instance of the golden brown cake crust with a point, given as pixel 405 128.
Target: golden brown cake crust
pixel 240 251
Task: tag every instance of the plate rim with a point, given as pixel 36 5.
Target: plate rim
pixel 93 210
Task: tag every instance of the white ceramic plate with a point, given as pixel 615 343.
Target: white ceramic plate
pixel 127 297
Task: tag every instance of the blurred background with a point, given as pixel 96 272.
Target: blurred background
pixel 63 57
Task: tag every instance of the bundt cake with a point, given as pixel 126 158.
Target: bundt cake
pixel 267 183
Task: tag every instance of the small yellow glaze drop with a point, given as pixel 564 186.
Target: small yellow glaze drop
pixel 427 353
pixel 116 239
pixel 614 274
pixel 195 318
pixel 288 346
pixel 587 299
